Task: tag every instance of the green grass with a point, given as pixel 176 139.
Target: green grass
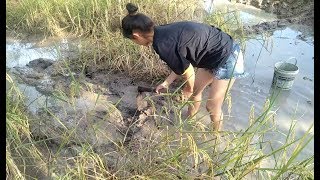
pixel 21 152
pixel 89 18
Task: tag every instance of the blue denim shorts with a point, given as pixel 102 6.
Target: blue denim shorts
pixel 233 67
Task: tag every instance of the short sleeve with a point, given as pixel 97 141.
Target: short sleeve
pixel 170 53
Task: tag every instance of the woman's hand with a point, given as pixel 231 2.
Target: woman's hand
pixel 165 85
pixel 186 93
pixel 162 87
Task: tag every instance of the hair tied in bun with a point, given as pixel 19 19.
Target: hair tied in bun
pixel 132 9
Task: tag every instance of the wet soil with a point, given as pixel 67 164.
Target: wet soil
pixel 103 106
pixel 288 12
pixel 294 11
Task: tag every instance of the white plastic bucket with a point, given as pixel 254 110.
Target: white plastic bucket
pixel 284 74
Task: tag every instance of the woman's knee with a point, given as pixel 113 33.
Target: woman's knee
pixel 197 94
pixel 213 107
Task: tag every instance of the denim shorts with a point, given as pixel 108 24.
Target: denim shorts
pixel 233 67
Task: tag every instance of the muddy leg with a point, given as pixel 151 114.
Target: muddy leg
pixel 215 100
pixel 202 79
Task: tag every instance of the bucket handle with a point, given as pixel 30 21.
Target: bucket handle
pixel 293 58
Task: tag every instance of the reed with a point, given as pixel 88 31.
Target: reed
pixel 187 149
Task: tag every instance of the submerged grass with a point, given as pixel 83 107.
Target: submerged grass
pixel 22 156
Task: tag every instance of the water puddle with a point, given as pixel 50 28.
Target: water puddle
pixel 249 15
pixel 19 54
pixel 296 104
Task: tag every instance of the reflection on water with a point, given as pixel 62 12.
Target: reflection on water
pixel 33 98
pixel 296 104
pixel 19 54
pixel 279 96
pixel 249 15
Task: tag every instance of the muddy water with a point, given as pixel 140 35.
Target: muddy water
pixel 296 105
pixel 249 15
pixel 19 54
pixel 260 56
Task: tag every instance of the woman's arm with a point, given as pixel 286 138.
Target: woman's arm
pixel 167 82
pixel 188 77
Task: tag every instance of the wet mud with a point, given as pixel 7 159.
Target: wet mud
pixel 293 11
pixel 106 110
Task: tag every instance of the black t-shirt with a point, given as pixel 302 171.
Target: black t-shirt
pixel 182 43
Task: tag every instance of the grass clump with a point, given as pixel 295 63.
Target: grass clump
pixel 98 24
pixel 167 146
pixel 22 156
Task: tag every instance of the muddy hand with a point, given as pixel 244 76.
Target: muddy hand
pixel 185 95
pixel 161 88
pixel 150 89
pixel 145 89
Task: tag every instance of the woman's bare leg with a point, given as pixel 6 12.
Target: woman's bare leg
pixel 215 101
pixel 202 79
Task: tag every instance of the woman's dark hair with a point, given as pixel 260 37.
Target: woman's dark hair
pixel 135 21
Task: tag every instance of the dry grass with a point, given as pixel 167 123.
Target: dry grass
pixel 184 150
pixel 98 24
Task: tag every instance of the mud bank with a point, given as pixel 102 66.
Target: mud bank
pixel 295 11
pixel 268 28
pixel 258 20
pixel 98 89
pixel 106 112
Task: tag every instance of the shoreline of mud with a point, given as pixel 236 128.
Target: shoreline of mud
pixel 270 27
pixel 104 105
pixel 296 11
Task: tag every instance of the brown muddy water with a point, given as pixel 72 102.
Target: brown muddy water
pixel 294 105
pixel 249 14
pixel 261 53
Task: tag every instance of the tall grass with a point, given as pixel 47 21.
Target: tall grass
pixel 98 23
pixel 94 18
pixel 181 149
pixel 236 154
pixel 21 153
